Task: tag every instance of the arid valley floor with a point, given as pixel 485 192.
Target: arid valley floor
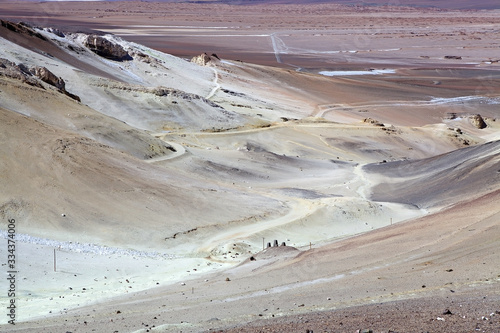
pixel 150 151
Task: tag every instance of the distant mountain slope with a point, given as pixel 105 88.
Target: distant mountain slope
pixel 440 180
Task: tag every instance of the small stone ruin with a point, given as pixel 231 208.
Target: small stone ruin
pixel 275 244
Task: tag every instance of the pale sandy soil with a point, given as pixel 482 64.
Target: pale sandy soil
pixel 381 185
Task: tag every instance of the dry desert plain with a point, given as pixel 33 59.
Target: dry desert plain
pixel 144 186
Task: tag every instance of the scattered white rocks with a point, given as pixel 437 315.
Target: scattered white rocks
pixel 85 247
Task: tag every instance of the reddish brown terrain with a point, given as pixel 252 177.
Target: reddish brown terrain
pixel 366 138
pixel 306 35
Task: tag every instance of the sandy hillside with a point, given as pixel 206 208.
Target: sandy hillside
pixel 157 181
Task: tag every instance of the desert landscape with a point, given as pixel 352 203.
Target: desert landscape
pixel 250 166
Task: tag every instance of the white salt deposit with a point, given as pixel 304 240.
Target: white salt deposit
pixel 349 73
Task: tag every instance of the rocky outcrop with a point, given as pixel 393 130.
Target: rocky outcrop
pixel 205 59
pixel 106 49
pixel 19 72
pixel 152 61
pixel 55 31
pixel 30 76
pixel 143 57
pixel 21 28
pixel 478 121
pixel 373 122
pixel 48 77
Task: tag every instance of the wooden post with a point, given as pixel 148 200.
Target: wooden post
pixel 391 220
pixel 263 243
pixel 54 260
pixel 310 246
